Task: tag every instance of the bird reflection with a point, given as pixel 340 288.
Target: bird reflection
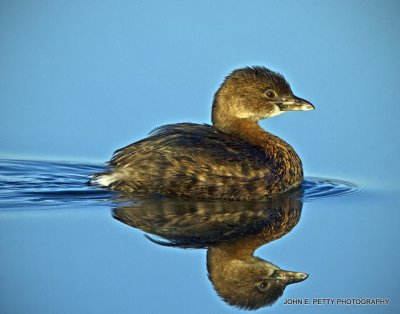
pixel 231 232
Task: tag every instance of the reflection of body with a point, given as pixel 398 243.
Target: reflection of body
pixel 231 231
pixel 232 159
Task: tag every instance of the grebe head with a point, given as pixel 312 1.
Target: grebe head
pixel 252 282
pixel 254 93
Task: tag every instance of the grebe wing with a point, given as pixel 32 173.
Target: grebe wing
pixel 197 140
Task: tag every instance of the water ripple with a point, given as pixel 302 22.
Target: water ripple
pixel 316 188
pixel 27 184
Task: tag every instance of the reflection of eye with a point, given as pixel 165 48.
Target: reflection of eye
pixel 270 93
pixel 262 286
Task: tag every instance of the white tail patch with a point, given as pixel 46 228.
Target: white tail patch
pixel 103 180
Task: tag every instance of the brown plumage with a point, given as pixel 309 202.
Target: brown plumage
pixel 231 232
pixel 232 159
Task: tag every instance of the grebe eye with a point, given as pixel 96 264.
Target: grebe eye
pixel 262 286
pixel 270 93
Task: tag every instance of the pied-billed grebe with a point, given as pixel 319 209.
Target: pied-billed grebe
pixel 232 159
pixel 231 232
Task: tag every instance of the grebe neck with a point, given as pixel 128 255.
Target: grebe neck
pixel 249 131
pixel 284 163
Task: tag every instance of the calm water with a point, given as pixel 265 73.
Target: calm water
pixel 67 247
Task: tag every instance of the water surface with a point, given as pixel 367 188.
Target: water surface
pixel 65 250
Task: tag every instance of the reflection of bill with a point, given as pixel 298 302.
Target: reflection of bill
pixel 231 231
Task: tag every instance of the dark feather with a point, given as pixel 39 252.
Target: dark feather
pixel 192 139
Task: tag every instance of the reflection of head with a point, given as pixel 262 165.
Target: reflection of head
pixel 248 283
pixel 231 231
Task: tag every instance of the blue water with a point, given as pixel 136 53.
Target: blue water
pixel 65 248
pixel 26 183
pixel 79 79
